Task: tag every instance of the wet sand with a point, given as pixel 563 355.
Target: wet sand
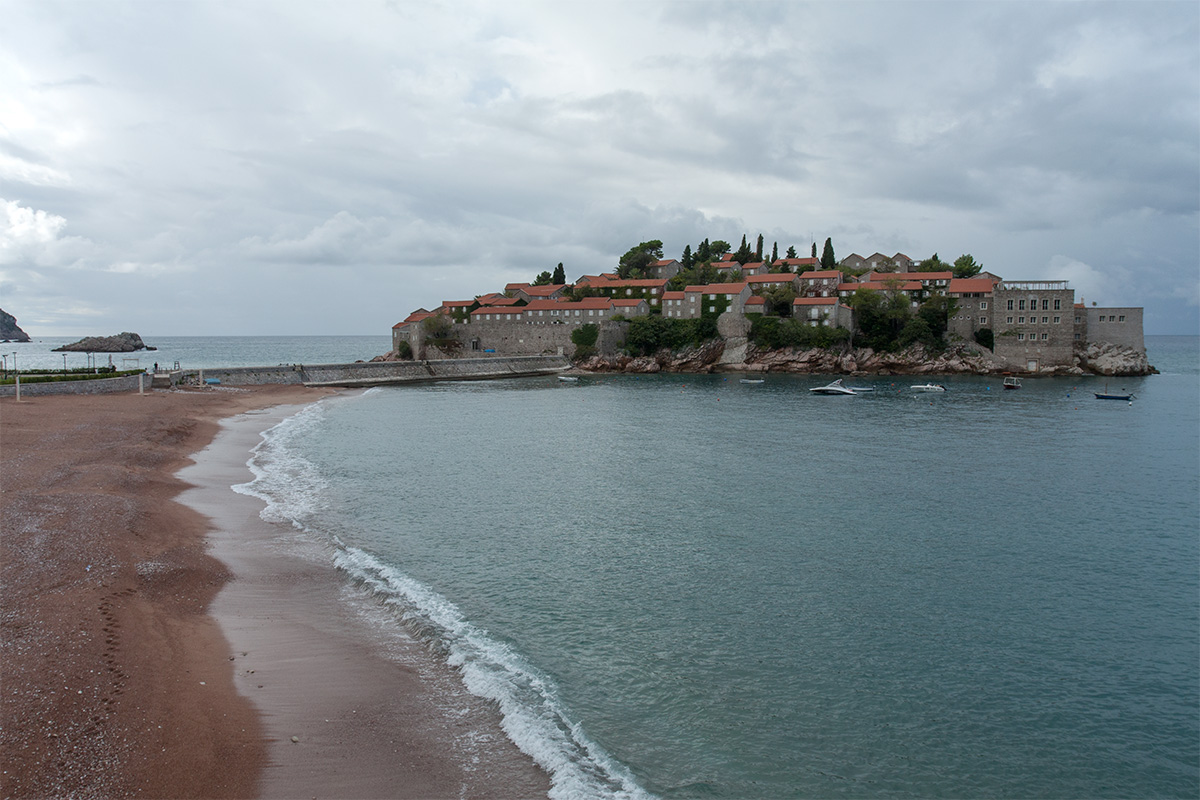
pixel 137 663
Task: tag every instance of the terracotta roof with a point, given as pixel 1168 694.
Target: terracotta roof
pixel 776 277
pixel 633 282
pixel 543 291
pixel 672 295
pixel 756 301
pixel 820 274
pixel 799 262
pixel 907 276
pixel 882 286
pixel 510 311
pixel 814 301
pixel 419 315
pixel 542 304
pixel 717 288
pixel 502 301
pixel 630 303
pixel 663 262
pixel 457 303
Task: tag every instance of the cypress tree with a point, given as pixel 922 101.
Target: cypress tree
pixel 827 259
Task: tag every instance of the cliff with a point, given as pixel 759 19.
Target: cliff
pixel 9 331
pixel 121 343
pixel 960 358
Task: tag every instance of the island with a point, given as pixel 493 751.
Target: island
pixel 719 309
pixel 125 342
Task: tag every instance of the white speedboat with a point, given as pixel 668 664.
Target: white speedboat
pixel 751 380
pixel 568 378
pixel 833 388
pixel 929 387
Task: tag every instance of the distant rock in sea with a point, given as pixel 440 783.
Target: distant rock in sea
pixel 9 331
pixel 121 343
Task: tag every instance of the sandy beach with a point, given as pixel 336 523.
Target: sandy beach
pixel 160 640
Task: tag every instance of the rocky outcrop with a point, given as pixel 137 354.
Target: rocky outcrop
pixel 691 359
pixel 9 331
pixel 121 343
pixel 1103 358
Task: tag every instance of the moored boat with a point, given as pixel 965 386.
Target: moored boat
pixel 1012 382
pixel 833 388
pixel 929 387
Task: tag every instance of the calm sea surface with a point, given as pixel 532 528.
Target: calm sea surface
pixel 686 586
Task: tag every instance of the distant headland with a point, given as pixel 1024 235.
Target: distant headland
pixel 9 331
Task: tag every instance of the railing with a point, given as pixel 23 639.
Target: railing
pixel 1043 286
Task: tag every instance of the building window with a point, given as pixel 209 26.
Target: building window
pixel 1021 305
pixel 1010 320
pixel 1010 308
pixel 1045 320
pixel 1045 305
pixel 1122 318
pixel 1045 336
pixel 1020 337
pixel 1021 320
pixel 1058 305
pixel 1077 322
pixel 983 305
pixel 983 320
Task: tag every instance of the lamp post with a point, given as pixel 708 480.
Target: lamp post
pixel 64 363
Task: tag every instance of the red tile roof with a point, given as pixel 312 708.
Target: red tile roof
pixel 672 295
pixel 717 288
pixel 814 301
pixel 774 277
pixel 511 311
pixel 822 274
pixel 907 276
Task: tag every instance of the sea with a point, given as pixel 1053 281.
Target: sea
pixel 687 586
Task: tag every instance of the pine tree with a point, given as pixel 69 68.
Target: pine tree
pixel 560 275
pixel 686 261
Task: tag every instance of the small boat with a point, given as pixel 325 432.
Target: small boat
pixel 833 388
pixel 568 378
pixel 1106 395
pixel 929 387
pixel 1012 382
pixel 861 389
pixel 751 380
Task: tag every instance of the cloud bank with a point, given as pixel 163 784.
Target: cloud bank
pixel 198 168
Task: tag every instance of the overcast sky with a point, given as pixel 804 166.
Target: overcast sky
pixel 296 167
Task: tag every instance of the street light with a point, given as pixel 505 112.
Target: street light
pixel 64 363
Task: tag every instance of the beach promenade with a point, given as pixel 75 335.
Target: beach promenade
pixel 138 664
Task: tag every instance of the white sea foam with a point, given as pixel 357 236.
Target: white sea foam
pixel 292 488
pixel 532 716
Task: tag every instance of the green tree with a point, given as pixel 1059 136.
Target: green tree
pixel 719 248
pixel 635 261
pixel 791 252
pixel 758 248
pixel 744 254
pixel 779 300
pixel 814 250
pixel 774 252
pixel 827 258
pixel 933 264
pixel 686 261
pixel 560 275
pixel 543 279
pixel 965 266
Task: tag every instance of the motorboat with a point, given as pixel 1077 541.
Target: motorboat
pixel 1012 382
pixel 751 380
pixel 833 388
pixel 568 378
pixel 929 387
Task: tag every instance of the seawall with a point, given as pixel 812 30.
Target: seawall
pixel 125 383
pixel 379 373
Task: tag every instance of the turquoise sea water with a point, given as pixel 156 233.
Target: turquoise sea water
pixel 685 586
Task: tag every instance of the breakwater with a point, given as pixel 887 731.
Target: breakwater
pixel 378 373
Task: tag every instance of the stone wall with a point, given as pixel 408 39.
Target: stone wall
pixel 381 373
pixel 1035 324
pixel 1119 326
pixel 126 383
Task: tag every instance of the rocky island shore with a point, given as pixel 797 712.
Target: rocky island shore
pixel 956 359
pixel 125 342
pixel 9 330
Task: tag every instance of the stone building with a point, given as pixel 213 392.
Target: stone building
pixel 1034 323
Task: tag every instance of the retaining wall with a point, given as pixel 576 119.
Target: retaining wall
pixel 126 383
pixel 383 373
